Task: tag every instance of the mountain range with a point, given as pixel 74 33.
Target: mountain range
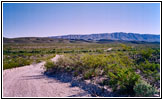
pixel 113 36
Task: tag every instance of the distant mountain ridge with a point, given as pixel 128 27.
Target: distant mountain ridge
pixel 114 36
pixel 34 40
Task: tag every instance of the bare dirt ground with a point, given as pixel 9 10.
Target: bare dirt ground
pixel 30 81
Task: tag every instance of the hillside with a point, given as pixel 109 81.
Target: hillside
pixel 38 40
pixel 114 36
pixel 34 40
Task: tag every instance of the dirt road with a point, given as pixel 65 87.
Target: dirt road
pixel 30 81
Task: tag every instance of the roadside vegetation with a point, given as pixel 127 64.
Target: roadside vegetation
pixel 21 55
pixel 126 70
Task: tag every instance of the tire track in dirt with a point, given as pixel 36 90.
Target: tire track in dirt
pixel 30 81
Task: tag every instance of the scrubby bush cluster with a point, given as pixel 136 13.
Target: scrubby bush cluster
pixel 15 62
pixel 118 68
pixel 12 61
pixel 13 57
pixel 144 89
pixel 147 61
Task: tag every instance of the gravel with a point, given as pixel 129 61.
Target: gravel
pixel 30 81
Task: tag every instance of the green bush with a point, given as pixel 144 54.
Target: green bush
pixel 143 89
pixel 121 78
pixel 94 61
pixel 65 62
pixel 149 66
pixel 118 68
pixel 146 53
pixel 49 65
pixel 88 74
pixel 125 47
pixel 150 71
pixel 17 62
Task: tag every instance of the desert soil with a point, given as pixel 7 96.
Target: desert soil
pixel 30 81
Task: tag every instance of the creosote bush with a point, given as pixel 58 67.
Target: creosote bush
pixel 17 62
pixel 49 65
pixel 144 89
pixel 122 78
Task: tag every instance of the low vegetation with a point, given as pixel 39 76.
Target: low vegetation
pixel 144 89
pixel 21 55
pixel 131 69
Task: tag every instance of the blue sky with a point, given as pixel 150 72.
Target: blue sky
pixel 51 19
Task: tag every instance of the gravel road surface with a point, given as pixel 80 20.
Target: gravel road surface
pixel 30 81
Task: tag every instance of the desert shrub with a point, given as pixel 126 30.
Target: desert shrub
pixel 93 65
pixel 49 65
pixel 52 51
pixel 94 61
pixel 99 51
pixel 146 53
pixel 150 71
pixel 125 47
pixel 84 51
pixel 86 65
pixel 156 51
pixel 38 60
pixel 17 62
pixel 121 78
pixel 88 74
pixel 67 63
pixel 64 62
pixel 149 68
pixel 143 55
pixel 144 89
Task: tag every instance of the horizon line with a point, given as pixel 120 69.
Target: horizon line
pixel 80 34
